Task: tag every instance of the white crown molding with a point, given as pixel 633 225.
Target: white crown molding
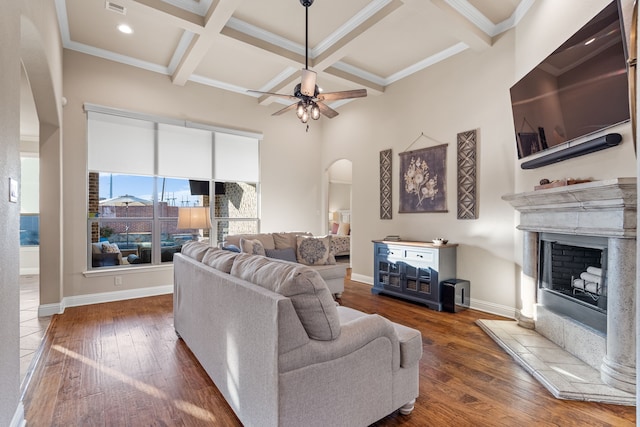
pixel 181 49
pixel 427 62
pixel 283 75
pixel 199 7
pixel 462 6
pixel 359 18
pixel 467 10
pixel 264 35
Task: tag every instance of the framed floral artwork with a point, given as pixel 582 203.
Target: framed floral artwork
pixel 423 180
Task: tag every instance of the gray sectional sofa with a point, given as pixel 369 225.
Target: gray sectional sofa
pixel 281 351
pixel 332 272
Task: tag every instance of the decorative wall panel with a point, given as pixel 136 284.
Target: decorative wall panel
pixel 467 157
pixel 385 184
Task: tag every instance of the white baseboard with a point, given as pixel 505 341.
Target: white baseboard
pixel 493 308
pixel 485 306
pixel 80 300
pixel 362 278
pixel 18 417
pixel 34 271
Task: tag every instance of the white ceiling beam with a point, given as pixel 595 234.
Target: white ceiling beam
pixel 166 12
pixel 217 16
pixel 462 26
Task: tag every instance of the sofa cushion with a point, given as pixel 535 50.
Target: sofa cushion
pixel 286 254
pixel 252 246
pixel 195 250
pixel 309 294
pixel 314 250
pixel 288 239
pixel 220 260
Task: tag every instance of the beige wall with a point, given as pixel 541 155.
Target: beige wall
pixel 290 167
pixel 468 91
pixel 9 212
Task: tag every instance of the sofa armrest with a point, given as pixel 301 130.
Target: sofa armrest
pixel 354 335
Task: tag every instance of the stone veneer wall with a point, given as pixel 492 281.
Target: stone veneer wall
pixel 94 202
pixel 240 200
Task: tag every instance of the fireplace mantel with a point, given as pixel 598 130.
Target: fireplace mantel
pixel 600 208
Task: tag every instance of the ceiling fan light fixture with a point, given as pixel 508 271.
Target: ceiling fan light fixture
pixel 308 84
pixel 305 117
pixel 300 109
pixel 315 111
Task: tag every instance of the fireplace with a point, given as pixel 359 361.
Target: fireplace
pixel 569 231
pixel 572 277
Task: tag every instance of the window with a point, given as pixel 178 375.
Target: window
pixel 143 169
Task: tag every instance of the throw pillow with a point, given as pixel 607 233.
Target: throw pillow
pixel 110 248
pixel 231 248
pixel 344 229
pixel 314 250
pixel 252 246
pixel 287 254
pixel 334 228
pixel 287 239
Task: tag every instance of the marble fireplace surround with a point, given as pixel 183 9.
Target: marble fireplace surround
pixel 600 208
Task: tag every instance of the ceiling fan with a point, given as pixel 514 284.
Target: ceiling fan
pixel 310 101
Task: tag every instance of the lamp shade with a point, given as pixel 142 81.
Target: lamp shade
pixel 194 218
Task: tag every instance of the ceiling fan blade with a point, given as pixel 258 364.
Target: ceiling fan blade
pixel 285 109
pixel 347 94
pixel 279 95
pixel 308 82
pixel 326 110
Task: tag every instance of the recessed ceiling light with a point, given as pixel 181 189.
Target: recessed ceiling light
pixel 124 28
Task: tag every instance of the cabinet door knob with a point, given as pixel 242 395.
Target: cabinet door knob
pixel 419 255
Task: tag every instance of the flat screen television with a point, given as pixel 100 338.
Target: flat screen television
pixel 578 90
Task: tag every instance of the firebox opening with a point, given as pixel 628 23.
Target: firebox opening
pixel 573 277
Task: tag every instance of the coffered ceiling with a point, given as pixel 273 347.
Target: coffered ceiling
pixel 238 45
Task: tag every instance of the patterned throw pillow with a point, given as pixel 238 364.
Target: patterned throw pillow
pixel 109 248
pixel 252 246
pixel 314 250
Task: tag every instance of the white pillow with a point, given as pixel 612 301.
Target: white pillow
pixel 252 246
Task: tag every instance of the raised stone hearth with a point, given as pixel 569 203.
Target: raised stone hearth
pixel 601 209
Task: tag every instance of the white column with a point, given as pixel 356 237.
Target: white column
pixel 528 279
pixel 619 364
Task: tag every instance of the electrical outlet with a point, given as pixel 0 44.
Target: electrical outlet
pixel 118 280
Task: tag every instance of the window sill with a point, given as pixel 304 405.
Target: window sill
pixel 126 270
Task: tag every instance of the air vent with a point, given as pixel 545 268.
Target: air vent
pixel 114 7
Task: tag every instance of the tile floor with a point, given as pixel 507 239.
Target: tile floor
pixel 563 374
pixel 32 327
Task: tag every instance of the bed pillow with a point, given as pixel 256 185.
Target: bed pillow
pixel 344 229
pixel 252 246
pixel 334 228
pixel 314 250
pixel 286 254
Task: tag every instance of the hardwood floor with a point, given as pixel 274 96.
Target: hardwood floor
pixel 121 364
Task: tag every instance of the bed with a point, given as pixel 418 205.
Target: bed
pixel 340 233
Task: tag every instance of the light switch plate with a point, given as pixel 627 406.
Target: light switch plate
pixel 13 190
